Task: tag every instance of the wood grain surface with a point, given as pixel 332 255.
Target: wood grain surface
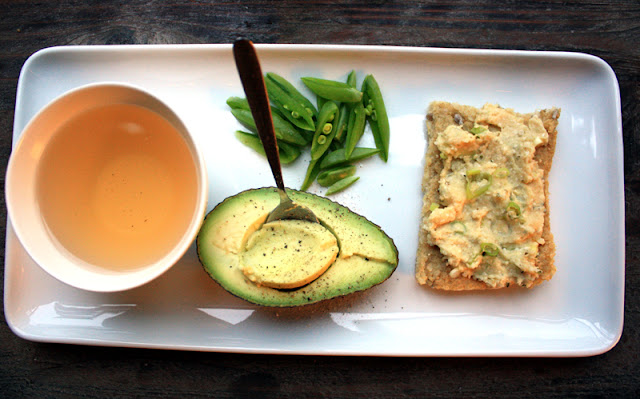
pixel 608 29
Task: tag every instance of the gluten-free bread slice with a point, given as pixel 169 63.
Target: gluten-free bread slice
pixel 433 268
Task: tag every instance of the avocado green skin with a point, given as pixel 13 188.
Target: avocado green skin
pixel 373 254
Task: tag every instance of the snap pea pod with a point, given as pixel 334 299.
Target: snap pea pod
pixel 355 128
pixel 284 130
pixel 293 92
pixel 276 111
pixel 279 112
pixel 245 118
pixel 325 129
pixel 312 172
pixel 288 153
pixel 345 110
pixel 343 120
pixel 328 177
pixel 238 102
pixel 320 101
pixel 335 145
pixel 333 90
pixel 337 157
pixel 351 79
pixel 378 118
pixel 341 184
pixel 294 110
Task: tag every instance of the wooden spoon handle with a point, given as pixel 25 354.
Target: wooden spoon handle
pixel 253 82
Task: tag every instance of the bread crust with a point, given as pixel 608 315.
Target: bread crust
pixel 432 268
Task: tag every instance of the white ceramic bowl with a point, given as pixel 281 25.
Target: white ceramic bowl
pixel 22 202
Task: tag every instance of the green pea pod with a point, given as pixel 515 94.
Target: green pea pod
pixel 351 79
pixel 377 138
pixel 287 132
pixel 312 172
pixel 250 140
pixel 378 120
pixel 288 153
pixel 308 135
pixel 328 177
pixel 293 92
pixel 335 145
pixel 242 103
pixel 277 111
pixel 346 110
pixel 333 90
pixel 337 157
pixel 355 128
pixel 341 184
pixel 284 130
pixel 294 110
pixel 238 102
pixel 245 118
pixel 320 101
pixel 342 123
pixel 325 129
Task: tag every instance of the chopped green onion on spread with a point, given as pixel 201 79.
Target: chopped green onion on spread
pixel 433 206
pixel 501 173
pixel 513 209
pixel 458 230
pixel 443 155
pixel 486 249
pixel 475 175
pixel 477 129
pixel 489 249
pixel 472 260
pixel 473 172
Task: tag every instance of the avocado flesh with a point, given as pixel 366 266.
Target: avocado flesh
pixel 288 253
pixel 367 255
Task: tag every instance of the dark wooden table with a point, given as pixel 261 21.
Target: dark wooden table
pixel 608 29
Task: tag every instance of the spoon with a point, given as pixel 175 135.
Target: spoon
pixel 253 83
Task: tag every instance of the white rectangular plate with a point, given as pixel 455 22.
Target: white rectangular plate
pixel 578 313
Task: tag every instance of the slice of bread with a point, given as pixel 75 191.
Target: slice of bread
pixel 432 268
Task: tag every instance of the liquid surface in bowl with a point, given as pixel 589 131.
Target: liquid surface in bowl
pixel 117 186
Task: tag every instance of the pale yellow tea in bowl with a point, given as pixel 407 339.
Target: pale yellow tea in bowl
pixel 106 188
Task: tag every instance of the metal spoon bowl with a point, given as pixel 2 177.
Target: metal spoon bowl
pixel 252 79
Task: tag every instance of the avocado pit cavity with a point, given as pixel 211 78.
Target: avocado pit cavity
pixel 287 254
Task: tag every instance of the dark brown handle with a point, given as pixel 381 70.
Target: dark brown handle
pixel 253 82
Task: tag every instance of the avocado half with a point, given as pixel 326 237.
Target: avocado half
pixel 367 256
